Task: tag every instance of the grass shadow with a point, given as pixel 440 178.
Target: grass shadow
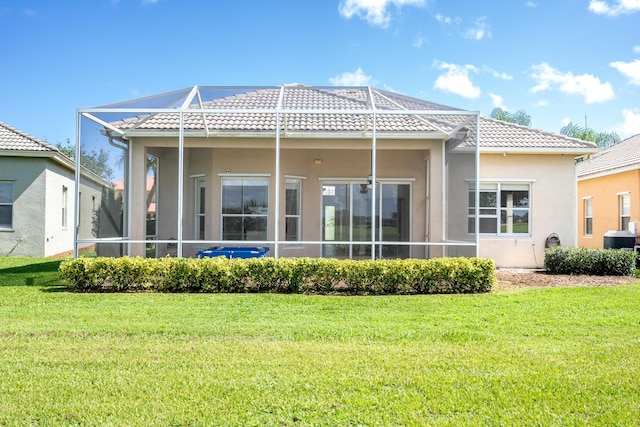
pixel 39 267
pixel 58 288
pixel 31 274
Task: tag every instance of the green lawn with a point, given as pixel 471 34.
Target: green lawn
pixel 547 357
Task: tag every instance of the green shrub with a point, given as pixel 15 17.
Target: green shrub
pixel 283 275
pixel 596 262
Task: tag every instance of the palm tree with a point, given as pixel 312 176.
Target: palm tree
pixel 601 139
pixel 520 117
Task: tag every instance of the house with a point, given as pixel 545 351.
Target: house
pixel 609 192
pixel 37 187
pixel 348 172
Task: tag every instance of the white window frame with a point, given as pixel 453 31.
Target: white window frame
pixel 252 215
pixel 330 184
pixel 588 216
pixel 8 183
pixel 297 209
pixel 199 208
pixel 624 210
pixel 498 208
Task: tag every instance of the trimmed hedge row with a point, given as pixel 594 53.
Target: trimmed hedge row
pixel 282 275
pixel 596 262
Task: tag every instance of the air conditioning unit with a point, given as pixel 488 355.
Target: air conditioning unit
pixel 633 227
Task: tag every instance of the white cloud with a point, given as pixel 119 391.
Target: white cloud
pixel 542 103
pixel 479 31
pixel 586 85
pixel 497 101
pixel 497 74
pixel 636 48
pixel 444 19
pixel 357 78
pixel 530 4
pixel 149 1
pixel 419 41
pixel 456 80
pixel 374 11
pixel 619 7
pixel 629 69
pixel 566 121
pixel 503 76
pixel 631 124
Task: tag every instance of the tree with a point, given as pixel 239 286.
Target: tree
pixel 520 117
pixel 601 139
pixel 97 161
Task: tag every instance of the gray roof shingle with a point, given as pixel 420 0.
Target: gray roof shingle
pixel 610 160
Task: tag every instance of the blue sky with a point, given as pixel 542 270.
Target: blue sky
pixel 559 60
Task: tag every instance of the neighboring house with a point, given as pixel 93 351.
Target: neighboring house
pixel 609 192
pixel 37 188
pixel 293 168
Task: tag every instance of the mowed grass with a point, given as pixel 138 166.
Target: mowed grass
pixel 547 357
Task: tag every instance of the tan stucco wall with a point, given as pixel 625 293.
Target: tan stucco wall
pixel 408 163
pixel 553 205
pixel 552 177
pixel 604 192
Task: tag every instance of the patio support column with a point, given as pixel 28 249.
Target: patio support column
pixel 373 172
pixel 136 199
pixel 477 179
pixel 76 211
pixel 180 181
pixel 373 188
pixel 276 228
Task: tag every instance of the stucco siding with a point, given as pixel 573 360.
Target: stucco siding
pixel 604 193
pixel 29 186
pixel 551 179
pixel 58 235
pixel 552 201
pixel 407 165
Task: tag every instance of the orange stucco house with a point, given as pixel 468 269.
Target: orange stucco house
pixel 609 192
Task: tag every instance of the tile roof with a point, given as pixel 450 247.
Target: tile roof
pixel 12 139
pixel 610 160
pixel 307 100
pixel 503 135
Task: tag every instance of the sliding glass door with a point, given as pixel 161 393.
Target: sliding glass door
pixel 347 217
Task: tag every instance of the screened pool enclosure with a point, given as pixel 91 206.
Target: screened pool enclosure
pixel 346 172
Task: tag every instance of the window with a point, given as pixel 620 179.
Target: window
pixel 293 209
pixel 245 208
pixel 588 216
pixel 625 210
pixel 6 205
pixel 503 208
pixel 200 188
pixel 64 206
